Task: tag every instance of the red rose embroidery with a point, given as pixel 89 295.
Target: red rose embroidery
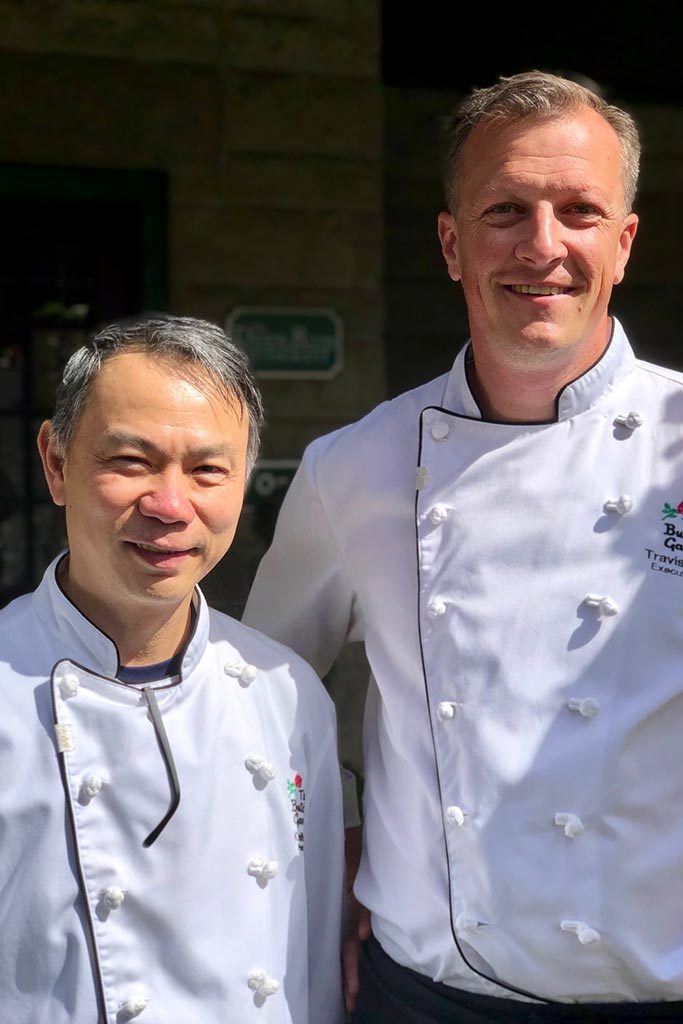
pixel 298 781
pixel 679 509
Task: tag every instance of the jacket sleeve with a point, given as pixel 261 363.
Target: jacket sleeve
pixel 302 595
pixel 325 890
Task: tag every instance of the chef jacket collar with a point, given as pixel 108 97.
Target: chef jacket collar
pixel 77 638
pixel 579 395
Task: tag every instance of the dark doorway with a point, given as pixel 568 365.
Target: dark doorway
pixel 80 248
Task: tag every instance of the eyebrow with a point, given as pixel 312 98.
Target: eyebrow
pixel 142 444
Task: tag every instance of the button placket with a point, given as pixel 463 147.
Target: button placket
pixel 112 897
pixel 440 430
pixel 69 685
pixel 438 514
pixel 132 1007
pixel 586 935
pixel 468 922
pixel 445 710
pixel 260 768
pixel 631 420
pixel 604 606
pixel 91 786
pixel 262 870
pixel 571 823
pixel 261 985
pixel 436 608
pixel 455 815
pixel 240 670
pixel 621 505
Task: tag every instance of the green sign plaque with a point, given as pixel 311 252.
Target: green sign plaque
pixel 287 342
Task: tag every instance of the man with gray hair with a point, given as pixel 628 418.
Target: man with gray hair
pixel 171 808
pixel 507 542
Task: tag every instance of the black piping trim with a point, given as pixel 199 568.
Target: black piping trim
pixel 112 641
pixel 166 753
pixel 602 355
pixel 502 984
pixel 159 730
pixel 90 935
pixel 479 419
pixel 522 423
pixel 128 687
pixel 93 624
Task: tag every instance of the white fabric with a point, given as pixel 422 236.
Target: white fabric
pixel 472 590
pixel 180 927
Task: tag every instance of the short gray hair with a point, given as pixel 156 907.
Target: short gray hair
pixel 196 345
pixel 534 95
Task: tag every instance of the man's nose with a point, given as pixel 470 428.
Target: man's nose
pixel 542 238
pixel 167 501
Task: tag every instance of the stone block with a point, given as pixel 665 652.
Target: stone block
pixel 303 115
pixel 213 246
pixel 338 10
pixel 297 183
pixel 128 29
pixel 296 46
pixel 107 113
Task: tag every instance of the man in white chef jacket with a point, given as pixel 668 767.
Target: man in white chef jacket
pixel 507 541
pixel 170 810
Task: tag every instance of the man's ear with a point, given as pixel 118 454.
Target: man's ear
pixel 449 244
pixel 53 464
pixel 628 233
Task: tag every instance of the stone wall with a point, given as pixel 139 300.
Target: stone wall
pixel 266 115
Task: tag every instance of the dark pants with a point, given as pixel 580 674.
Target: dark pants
pixel 391 994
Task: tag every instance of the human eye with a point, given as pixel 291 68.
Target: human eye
pixel 501 209
pixel 127 462
pixel 502 213
pixel 129 457
pixel 211 472
pixel 585 210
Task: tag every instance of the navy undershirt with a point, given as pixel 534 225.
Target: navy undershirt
pixel 142 675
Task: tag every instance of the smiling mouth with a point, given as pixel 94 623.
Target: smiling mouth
pixel 156 550
pixel 536 289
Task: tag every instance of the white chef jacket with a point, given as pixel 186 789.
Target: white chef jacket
pixel 233 914
pixel 519 589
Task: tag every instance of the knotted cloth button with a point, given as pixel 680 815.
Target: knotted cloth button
pixel 606 607
pixel 248 675
pixel 586 935
pixel 113 897
pixel 234 668
pixel 631 420
pixel 589 707
pixel 133 1007
pixel 261 984
pixel 620 505
pixel 262 869
pixel 464 922
pixel 572 824
pixel 445 710
pixel 455 815
pixel 436 608
pixel 440 430
pixel 91 786
pixel 438 515
pixel 68 685
pixel 258 766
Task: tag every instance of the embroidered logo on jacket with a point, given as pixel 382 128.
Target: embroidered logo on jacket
pixel 297 799
pixel 672 539
pixel 669 512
